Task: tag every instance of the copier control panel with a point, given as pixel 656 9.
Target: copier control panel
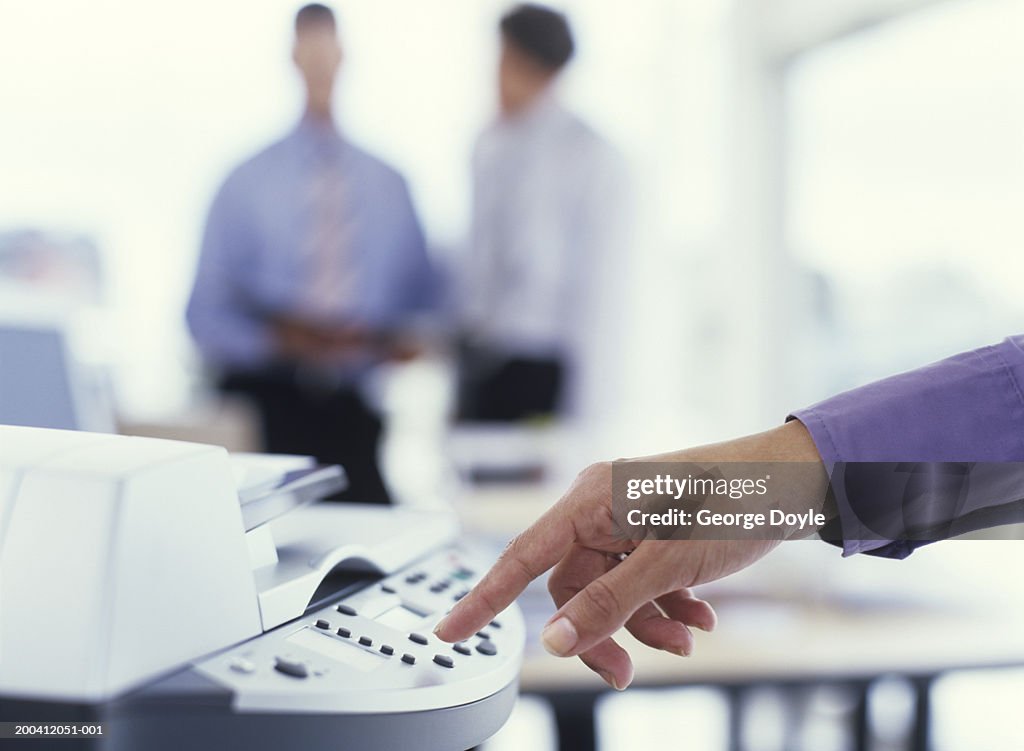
pixel 375 649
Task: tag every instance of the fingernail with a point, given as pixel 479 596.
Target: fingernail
pixel 609 679
pixel 559 637
pixel 712 621
pixel 440 625
pixel 682 651
pixel 625 684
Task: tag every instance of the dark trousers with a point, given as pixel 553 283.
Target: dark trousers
pixel 332 424
pixel 497 388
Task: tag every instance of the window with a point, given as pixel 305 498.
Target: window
pixel 907 186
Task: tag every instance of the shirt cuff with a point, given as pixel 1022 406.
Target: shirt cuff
pixel 967 408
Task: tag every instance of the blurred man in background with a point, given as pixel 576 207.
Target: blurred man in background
pixel 313 269
pixel 546 210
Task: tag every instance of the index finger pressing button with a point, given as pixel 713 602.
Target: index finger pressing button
pixel 528 556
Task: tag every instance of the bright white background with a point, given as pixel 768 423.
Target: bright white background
pixel 908 183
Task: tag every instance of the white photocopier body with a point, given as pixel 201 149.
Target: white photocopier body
pixel 138 589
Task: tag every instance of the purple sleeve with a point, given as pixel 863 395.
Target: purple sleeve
pixel 225 330
pixel 967 408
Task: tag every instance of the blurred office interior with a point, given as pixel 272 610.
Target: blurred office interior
pixel 825 193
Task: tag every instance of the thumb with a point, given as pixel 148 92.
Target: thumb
pixel 601 608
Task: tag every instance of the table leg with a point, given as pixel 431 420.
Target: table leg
pixel 861 720
pixel 575 720
pixel 921 738
pixel 734 696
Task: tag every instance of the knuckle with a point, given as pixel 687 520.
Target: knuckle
pixel 583 477
pixel 510 553
pixel 553 586
pixel 561 589
pixel 488 602
pixel 523 569
pixel 589 484
pixel 514 545
pixel 597 470
pixel 603 601
pixel 513 558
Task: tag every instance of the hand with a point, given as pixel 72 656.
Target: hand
pixel 398 345
pixel 299 340
pixel 311 342
pixel 345 339
pixel 598 591
pixel 405 350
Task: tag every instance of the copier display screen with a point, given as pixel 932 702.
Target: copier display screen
pixel 402 618
pixel 340 651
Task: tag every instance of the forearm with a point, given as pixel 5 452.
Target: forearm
pixel 790 442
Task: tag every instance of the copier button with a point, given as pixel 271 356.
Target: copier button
pixel 366 641
pixel 387 589
pixel 387 649
pixel 346 609
pixel 459 595
pixel 344 632
pixel 483 634
pixel 325 625
pixel 418 638
pixel 495 624
pixel 293 668
pixel 444 661
pixel 409 659
pixel 242 665
pixel 487 648
pixel 462 649
pixel 411 579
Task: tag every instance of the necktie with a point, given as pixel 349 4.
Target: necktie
pixel 331 281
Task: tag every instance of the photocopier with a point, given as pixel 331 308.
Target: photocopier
pixel 189 599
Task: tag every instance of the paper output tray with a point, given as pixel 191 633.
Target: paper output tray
pixel 286 492
pixel 313 541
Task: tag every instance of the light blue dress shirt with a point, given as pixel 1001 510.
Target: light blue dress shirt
pixel 254 263
pixel 548 222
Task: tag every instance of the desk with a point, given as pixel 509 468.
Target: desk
pixel 803 617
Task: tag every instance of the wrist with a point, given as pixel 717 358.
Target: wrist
pixel 797 498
